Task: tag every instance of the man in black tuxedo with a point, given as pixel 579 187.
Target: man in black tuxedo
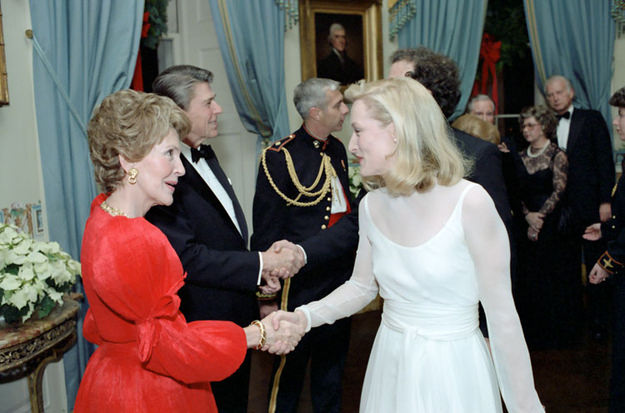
pixel 207 228
pixel 302 194
pixel 337 65
pixel 584 136
pixel 439 74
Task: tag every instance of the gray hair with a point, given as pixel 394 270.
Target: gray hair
pixel 334 27
pixel 479 98
pixel 312 94
pixel 178 83
pixel 566 81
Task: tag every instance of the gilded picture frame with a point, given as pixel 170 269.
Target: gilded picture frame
pixel 4 84
pixel 362 20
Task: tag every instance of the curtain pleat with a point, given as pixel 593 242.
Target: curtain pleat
pixel 251 40
pixel 575 39
pixel 83 51
pixel 453 28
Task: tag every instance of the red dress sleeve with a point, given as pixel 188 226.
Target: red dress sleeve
pixel 135 274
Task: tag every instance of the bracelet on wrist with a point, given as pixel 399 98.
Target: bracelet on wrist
pixel 265 297
pixel 263 334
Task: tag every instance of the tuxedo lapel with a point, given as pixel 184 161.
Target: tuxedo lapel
pixel 213 163
pixel 577 121
pixel 196 183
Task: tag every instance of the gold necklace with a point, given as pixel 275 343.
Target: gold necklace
pixel 112 211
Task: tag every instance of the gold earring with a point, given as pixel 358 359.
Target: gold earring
pixel 132 176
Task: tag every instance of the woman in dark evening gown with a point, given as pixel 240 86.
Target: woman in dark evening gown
pixel 547 297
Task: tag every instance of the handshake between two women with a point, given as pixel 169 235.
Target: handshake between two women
pixel 278 333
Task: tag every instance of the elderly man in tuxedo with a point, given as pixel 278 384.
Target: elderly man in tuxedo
pixel 207 228
pixel 584 136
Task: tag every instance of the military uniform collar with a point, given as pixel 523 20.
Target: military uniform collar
pixel 316 142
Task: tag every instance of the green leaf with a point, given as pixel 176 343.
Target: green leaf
pixel 44 308
pixel 11 314
pixel 157 21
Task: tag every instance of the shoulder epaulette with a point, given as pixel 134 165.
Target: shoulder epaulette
pixel 279 144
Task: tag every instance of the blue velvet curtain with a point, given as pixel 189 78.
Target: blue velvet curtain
pixel 575 39
pixel 83 51
pixel 453 28
pixel 251 39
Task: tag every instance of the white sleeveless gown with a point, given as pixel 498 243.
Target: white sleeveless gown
pixel 429 355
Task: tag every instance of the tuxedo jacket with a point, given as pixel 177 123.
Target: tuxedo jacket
pixel 487 170
pixel 222 275
pixel 331 250
pixel 591 168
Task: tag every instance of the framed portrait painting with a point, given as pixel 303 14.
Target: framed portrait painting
pixel 341 40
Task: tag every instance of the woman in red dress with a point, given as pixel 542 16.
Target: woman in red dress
pixel 148 358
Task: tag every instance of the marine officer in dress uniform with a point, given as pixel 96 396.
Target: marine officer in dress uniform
pixel 302 195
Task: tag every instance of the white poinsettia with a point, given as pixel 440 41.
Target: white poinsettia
pixel 49 247
pixel 15 257
pixel 7 235
pixel 9 282
pixel 35 257
pixel 34 275
pixel 26 272
pixel 355 180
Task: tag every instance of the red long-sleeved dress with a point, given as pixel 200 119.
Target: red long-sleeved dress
pixel 149 358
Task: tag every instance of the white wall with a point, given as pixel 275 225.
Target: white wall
pixel 21 178
pixel 19 154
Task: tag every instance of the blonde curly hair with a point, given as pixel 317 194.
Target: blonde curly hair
pixel 129 123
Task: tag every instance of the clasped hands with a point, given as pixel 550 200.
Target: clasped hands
pixel 535 221
pixel 283 330
pixel 281 261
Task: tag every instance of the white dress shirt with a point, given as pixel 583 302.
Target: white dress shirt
pixel 564 126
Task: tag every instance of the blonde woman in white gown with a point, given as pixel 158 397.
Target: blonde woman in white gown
pixel 433 246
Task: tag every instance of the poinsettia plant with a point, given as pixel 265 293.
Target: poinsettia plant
pixel 355 180
pixel 34 275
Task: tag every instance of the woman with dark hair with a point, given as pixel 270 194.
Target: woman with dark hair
pixel 612 262
pixel 546 287
pixel 148 358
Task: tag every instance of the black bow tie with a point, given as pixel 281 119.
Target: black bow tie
pixel 205 151
pixel 565 115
